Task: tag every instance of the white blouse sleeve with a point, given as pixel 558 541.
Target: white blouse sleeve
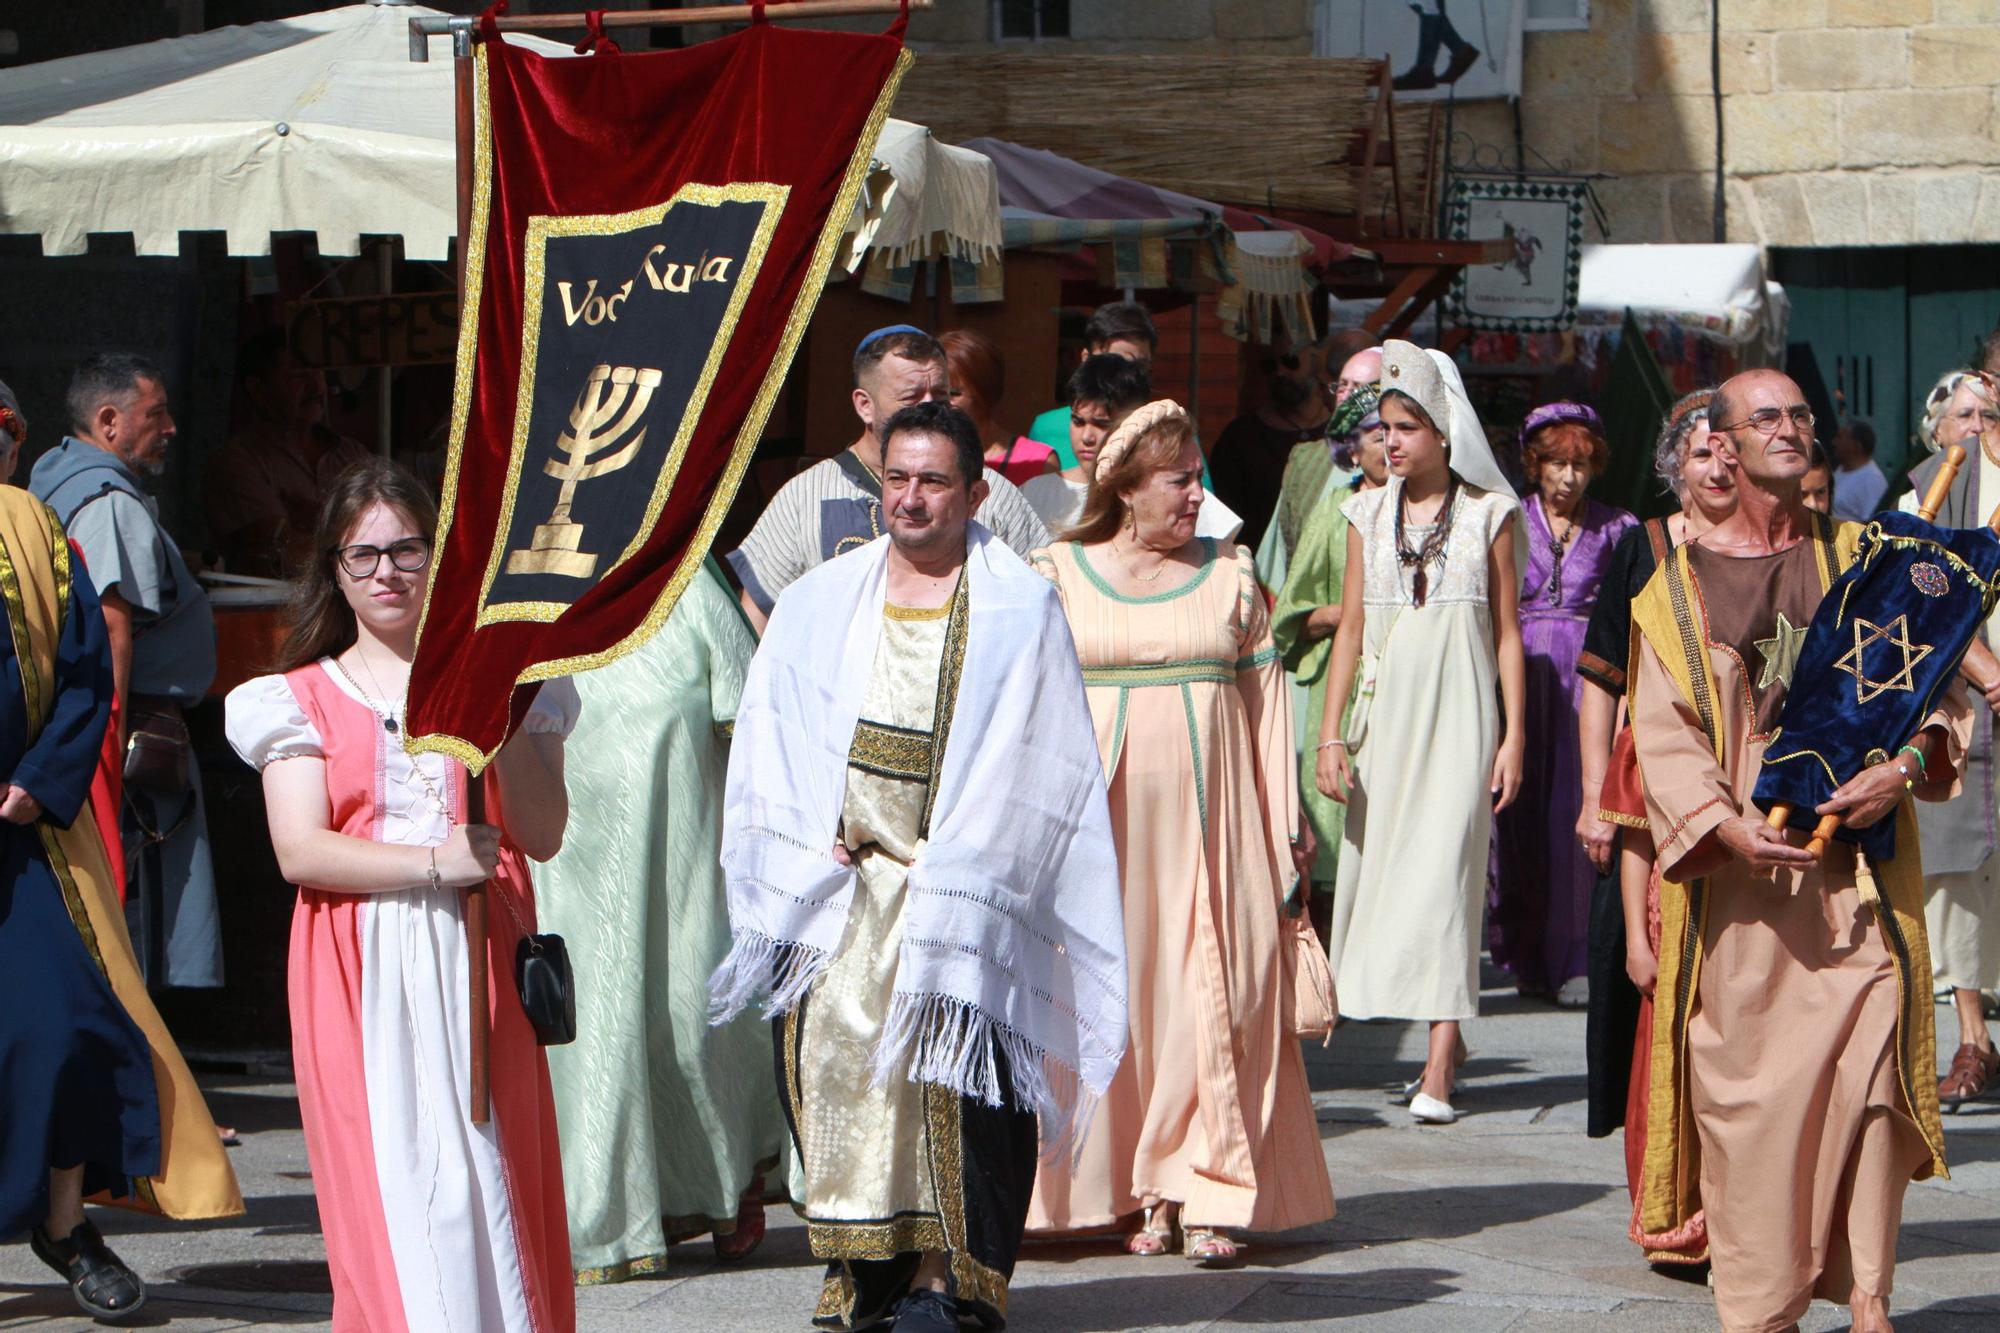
pixel 264 723
pixel 555 709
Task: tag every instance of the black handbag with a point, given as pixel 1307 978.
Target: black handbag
pixel 548 989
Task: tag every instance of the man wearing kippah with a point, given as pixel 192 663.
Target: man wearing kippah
pixel 835 506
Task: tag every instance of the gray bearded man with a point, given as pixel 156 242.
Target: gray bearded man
pixel 921 875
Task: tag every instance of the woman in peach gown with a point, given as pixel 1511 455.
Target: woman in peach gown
pixel 1208 1125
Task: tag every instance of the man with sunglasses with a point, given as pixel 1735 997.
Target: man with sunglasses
pixel 162 634
pixel 1249 457
pixel 1798 1021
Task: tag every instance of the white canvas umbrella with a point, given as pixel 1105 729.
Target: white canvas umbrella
pixel 323 124
pixel 320 123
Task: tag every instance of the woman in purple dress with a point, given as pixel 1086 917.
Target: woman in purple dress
pixel 1539 913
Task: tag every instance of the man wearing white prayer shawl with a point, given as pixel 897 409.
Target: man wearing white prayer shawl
pixel 923 886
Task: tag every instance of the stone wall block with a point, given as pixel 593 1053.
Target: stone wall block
pixel 1892 209
pixel 959 25
pixel 1841 58
pixel 1875 13
pixel 1253 19
pixel 1965 11
pixel 1561 129
pixel 1154 20
pixel 1670 16
pixel 1782 218
pixel 1771 15
pixel 1955 57
pixel 1838 207
pixel 1677 62
pixel 1986 215
pixel 1915 128
pixel 1655 134
pixel 1637 209
pixel 1780 132
pixel 1576 64
pixel 1946 203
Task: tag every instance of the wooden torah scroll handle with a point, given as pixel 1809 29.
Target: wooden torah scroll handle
pixel 1954 459
pixel 1822 834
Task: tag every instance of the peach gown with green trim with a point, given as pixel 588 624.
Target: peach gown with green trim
pixel 1210 1107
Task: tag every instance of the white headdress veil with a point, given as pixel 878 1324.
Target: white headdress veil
pixel 1431 378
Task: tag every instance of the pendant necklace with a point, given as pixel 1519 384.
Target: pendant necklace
pixel 1431 550
pixel 1557 545
pixel 389 723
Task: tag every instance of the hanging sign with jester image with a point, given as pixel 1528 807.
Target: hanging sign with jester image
pixel 649 234
pixel 1532 290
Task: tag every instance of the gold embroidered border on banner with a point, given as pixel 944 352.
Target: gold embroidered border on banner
pixel 542 228
pixel 731 477
pixel 892 752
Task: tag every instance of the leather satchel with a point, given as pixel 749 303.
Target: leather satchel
pixel 548 989
pixel 158 754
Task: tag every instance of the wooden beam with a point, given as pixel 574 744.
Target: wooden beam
pixel 1439 282
pixel 682 18
pixel 1403 293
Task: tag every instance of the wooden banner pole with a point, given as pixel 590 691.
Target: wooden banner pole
pixel 477 982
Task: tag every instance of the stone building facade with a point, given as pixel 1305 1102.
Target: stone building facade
pixel 1844 122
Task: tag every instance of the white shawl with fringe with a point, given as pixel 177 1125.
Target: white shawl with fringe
pixel 1013 929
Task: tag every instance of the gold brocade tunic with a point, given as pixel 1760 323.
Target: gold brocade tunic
pixel 869 1188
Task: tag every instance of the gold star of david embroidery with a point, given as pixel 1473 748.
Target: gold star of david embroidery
pixel 1781 653
pixel 1897 635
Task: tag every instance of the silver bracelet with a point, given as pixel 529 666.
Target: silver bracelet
pixel 437 880
pixel 1328 745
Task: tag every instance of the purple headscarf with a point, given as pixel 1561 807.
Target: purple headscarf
pixel 1550 413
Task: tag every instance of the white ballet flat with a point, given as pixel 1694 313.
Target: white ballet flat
pixel 1430 1111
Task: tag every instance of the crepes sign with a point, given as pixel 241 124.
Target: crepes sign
pixel 648 236
pixel 630 315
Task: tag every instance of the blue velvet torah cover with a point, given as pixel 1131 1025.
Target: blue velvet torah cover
pixel 1882 649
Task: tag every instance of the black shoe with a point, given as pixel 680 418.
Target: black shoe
pixel 103 1286
pixel 926 1311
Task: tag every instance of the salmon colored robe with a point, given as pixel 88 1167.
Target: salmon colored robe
pixel 1793 1062
pixel 1210 1107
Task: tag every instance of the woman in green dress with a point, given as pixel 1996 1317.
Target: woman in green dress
pixel 1307 614
pixel 668 1125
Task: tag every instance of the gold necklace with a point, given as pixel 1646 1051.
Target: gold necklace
pixel 1138 577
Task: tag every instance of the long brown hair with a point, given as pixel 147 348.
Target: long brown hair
pixel 320 623
pixel 1104 510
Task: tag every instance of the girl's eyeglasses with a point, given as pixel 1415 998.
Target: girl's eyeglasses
pixel 409 555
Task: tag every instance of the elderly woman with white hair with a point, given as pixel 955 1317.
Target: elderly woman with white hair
pixel 1434 745
pixel 1209 1124
pixel 1961 868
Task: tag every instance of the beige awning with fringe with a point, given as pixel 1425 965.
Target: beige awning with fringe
pixel 925 199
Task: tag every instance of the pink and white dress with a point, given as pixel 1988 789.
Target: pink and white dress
pixel 431 1223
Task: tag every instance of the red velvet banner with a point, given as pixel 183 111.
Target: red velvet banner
pixel 649 234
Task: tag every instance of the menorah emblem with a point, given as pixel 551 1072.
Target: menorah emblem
pixel 610 391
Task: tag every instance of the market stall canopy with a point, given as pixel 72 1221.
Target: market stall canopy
pixel 1265 266
pixel 1718 292
pixel 319 123
pixel 1035 180
pixel 323 124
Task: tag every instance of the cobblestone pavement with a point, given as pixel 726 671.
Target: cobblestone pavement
pixel 1511 1219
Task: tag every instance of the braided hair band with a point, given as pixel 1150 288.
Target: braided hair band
pixel 1143 419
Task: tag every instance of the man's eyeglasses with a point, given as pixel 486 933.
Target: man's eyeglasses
pixel 409 555
pixel 1766 420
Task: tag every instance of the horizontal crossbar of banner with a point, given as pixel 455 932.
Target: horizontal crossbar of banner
pixel 424 28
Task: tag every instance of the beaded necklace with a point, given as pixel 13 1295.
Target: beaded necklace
pixel 1432 550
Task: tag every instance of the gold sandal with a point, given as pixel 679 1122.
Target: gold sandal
pixel 1210 1249
pixel 1162 1236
